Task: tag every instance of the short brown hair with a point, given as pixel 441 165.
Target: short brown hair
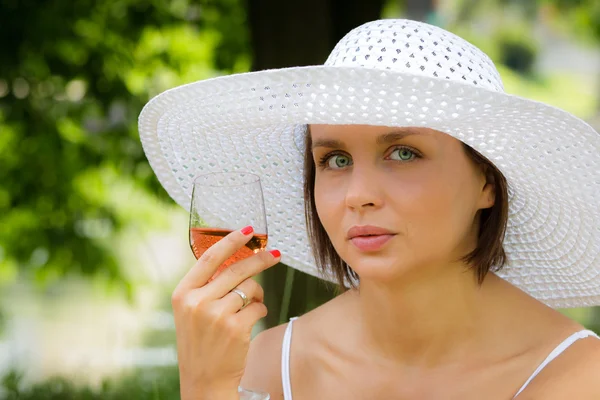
pixel 489 255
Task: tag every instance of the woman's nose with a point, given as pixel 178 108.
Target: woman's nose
pixel 363 190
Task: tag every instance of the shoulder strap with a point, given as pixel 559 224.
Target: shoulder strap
pixel 556 352
pixel 285 361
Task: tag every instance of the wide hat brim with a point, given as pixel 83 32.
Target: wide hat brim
pixel 255 122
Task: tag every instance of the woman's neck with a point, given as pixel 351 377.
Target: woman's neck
pixel 424 322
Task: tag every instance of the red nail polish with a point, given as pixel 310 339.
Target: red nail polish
pixel 275 253
pixel 247 230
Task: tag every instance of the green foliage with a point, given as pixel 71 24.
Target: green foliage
pixel 159 384
pixel 583 14
pixel 3 320
pixel 73 79
pixel 515 49
pixel 575 16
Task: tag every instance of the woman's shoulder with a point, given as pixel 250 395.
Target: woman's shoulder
pixel 263 364
pixel 575 373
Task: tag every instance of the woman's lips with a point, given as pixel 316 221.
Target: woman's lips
pixel 370 243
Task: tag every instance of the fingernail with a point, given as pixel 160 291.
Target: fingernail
pixel 275 253
pixel 247 230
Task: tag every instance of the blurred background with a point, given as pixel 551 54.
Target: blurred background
pixel 91 246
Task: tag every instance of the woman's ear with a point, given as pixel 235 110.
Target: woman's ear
pixel 488 191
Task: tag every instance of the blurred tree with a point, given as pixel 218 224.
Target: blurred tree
pixel 73 79
pixel 584 14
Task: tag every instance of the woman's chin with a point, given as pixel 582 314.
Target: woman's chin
pixel 379 271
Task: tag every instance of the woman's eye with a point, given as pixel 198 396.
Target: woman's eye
pixel 338 161
pixel 402 154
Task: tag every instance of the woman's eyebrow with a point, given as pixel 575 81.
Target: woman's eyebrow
pixel 329 143
pixel 396 135
pixel 386 138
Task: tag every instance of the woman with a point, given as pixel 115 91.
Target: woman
pixel 455 215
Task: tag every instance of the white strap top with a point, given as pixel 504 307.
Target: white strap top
pixel 285 361
pixel 287 342
pixel 555 353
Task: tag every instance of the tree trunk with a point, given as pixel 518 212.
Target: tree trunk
pixel 303 32
pixel 297 33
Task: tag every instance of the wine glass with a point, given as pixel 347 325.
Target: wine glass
pixel 221 203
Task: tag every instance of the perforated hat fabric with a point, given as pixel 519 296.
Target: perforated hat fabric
pixel 395 73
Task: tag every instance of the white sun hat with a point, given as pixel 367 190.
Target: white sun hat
pixel 395 73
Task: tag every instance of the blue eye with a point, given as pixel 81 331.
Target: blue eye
pixel 338 161
pixel 404 154
pixel 335 160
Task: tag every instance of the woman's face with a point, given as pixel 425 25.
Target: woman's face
pixel 418 184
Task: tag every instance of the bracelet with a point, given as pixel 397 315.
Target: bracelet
pixel 252 395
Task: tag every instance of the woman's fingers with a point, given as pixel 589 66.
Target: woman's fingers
pixel 208 263
pixel 249 316
pixel 233 302
pixel 240 271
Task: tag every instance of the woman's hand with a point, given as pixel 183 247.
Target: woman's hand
pixel 213 332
